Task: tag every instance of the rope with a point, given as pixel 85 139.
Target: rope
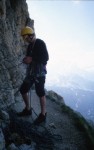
pixel 49 136
pixel 30 98
pixel 44 139
pixel 42 136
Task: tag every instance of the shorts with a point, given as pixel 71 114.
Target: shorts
pixel 39 85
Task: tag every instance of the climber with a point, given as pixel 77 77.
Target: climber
pixel 36 59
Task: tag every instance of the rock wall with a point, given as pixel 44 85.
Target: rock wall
pixel 13 16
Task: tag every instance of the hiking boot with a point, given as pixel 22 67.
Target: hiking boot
pixel 25 112
pixel 40 119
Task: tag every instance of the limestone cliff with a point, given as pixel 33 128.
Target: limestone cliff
pixel 13 16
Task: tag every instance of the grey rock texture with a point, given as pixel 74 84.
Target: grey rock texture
pixel 13 16
pixel 61 121
pixel 2 140
pixel 55 97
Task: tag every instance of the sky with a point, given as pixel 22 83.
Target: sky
pixel 67 27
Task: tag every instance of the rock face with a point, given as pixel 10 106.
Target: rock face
pixel 2 140
pixel 55 97
pixel 13 16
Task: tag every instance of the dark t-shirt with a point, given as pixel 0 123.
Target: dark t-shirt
pixel 40 56
pixel 39 52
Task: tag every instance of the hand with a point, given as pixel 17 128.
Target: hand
pixel 27 60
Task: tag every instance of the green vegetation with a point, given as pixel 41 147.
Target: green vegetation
pixel 82 124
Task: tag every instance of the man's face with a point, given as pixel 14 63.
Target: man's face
pixel 28 38
pixel 25 38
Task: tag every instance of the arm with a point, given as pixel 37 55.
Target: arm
pixel 27 60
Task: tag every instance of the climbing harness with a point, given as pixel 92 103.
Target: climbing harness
pixel 43 138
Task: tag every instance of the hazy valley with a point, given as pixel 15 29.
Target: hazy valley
pixel 78 93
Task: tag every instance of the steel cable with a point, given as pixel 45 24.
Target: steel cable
pixel 43 139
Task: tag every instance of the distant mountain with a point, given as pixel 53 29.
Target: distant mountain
pixel 78 92
pixel 75 81
pixel 80 100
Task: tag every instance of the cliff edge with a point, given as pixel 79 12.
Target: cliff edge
pixel 73 131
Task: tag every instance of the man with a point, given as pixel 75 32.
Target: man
pixel 36 59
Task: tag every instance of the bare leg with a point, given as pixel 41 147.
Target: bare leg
pixel 26 101
pixel 43 104
pixel 42 116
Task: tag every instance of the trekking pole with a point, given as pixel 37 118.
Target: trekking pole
pixel 30 97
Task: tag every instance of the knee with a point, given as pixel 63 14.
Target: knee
pixel 40 93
